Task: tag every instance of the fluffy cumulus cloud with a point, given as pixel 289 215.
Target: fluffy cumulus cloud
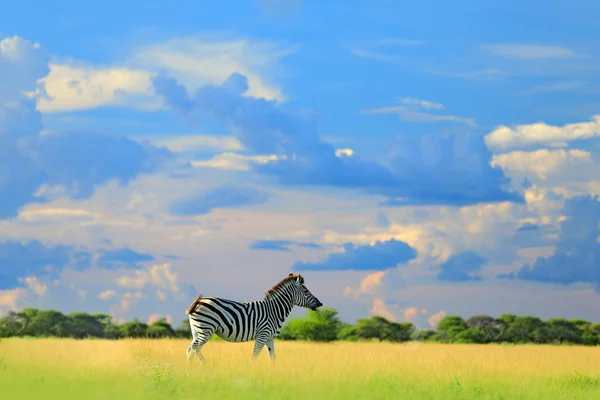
pixel 379 256
pixel 75 161
pixel 577 251
pixel 540 134
pixel 417 163
pixel 303 158
pixel 542 163
pixel 194 60
pixel 226 196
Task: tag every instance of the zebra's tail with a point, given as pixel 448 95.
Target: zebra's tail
pixel 194 304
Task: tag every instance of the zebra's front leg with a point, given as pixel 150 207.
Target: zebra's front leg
pixel 271 348
pixel 261 340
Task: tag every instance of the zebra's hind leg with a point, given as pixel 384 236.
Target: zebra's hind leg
pixel 195 347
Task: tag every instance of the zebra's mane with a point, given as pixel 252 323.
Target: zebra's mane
pixel 281 284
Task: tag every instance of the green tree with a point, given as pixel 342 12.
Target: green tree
pixel 485 329
pixel 86 325
pixel 184 330
pixel 562 330
pixel 526 329
pixel 12 324
pixel 380 328
pixel 322 325
pixel 423 334
pixel 160 329
pixel 450 327
pixel 46 323
pixel 133 329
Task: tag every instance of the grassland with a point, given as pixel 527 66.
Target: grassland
pixel 156 369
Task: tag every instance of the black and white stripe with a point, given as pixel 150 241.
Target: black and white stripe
pixel 240 322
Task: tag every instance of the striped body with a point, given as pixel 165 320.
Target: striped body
pixel 259 320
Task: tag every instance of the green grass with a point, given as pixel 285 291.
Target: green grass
pixel 157 369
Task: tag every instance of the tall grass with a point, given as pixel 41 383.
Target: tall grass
pixel 157 369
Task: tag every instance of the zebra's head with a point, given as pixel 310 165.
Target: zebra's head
pixel 302 296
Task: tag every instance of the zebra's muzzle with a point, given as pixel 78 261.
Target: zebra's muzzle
pixel 319 304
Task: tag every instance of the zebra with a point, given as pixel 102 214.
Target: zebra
pixel 259 320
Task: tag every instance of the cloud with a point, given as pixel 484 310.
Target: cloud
pixel 577 251
pixel 225 196
pixel 118 258
pixel 468 178
pixel 233 161
pixel 71 87
pixel 22 64
pixel 18 260
pixel 12 297
pixel 194 143
pixel 505 138
pixel 158 275
pixel 76 161
pixel 281 245
pixel 528 227
pixel 530 51
pixel 379 256
pixel 200 60
pixel 435 318
pixel 410 112
pixel 107 294
pixel 301 157
pixel 422 103
pixel 194 60
pixel 26 262
pixel 459 267
pixel 541 163
pixel 552 87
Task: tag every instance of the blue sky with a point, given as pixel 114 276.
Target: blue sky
pixel 406 158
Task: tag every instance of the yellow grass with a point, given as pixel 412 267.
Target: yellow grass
pixel 152 369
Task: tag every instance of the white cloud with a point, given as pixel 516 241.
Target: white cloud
pixel 83 87
pixel 42 214
pixel 552 87
pixel 196 61
pixel 11 298
pixel 240 162
pixel 505 138
pixel 159 275
pixel 193 61
pixel 107 294
pixel 37 286
pixel 233 161
pixel 184 143
pixel 530 51
pixel 21 64
pixel 435 318
pixel 541 163
pixel 410 112
pixel 422 103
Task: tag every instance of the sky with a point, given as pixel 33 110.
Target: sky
pixel 409 160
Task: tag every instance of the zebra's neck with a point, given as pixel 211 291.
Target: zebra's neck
pixel 282 300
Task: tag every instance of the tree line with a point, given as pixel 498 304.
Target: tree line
pixel 322 325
